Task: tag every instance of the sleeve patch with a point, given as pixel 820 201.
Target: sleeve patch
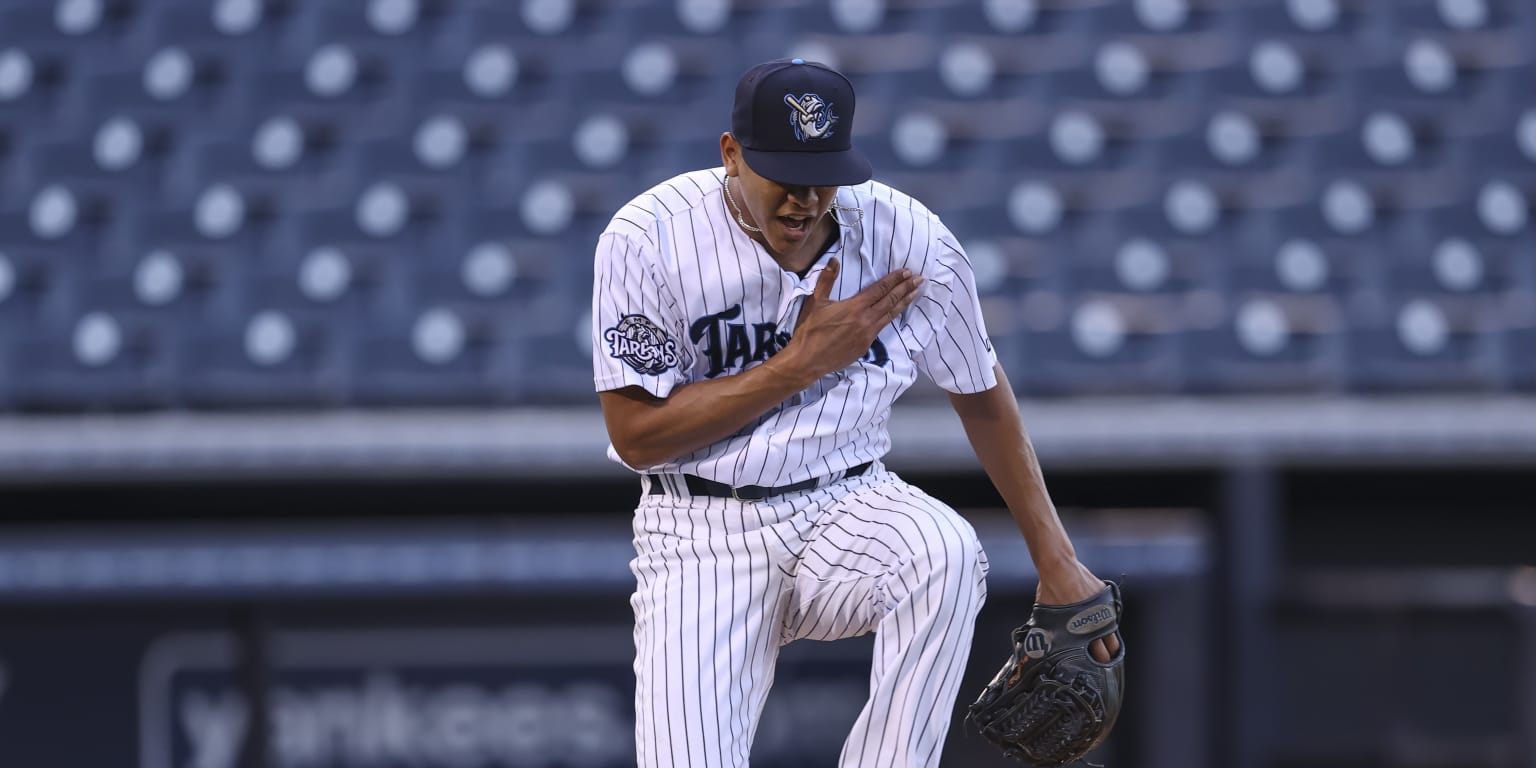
pixel 642 345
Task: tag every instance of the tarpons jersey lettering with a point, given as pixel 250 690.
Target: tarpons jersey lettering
pixel 730 346
pixel 675 256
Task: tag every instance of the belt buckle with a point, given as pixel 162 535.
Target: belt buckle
pixel 758 493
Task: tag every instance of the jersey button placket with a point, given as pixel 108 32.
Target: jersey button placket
pixel 791 289
pixel 794 290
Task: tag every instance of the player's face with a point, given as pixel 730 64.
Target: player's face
pixel 790 216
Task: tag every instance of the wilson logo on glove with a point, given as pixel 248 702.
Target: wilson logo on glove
pixel 1091 620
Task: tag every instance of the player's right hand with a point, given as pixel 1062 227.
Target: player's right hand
pixel 830 335
pixel 1070 584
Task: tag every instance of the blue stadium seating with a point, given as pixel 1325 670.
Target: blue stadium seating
pixel 322 204
pixel 1247 353
pixel 1421 344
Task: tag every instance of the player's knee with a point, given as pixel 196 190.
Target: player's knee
pixel 956 558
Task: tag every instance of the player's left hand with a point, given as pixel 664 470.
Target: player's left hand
pixel 1070 584
pixel 1051 704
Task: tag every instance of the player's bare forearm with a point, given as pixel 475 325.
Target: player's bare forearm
pixel 996 432
pixel 648 430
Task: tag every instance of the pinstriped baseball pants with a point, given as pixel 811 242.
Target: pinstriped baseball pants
pixel 723 584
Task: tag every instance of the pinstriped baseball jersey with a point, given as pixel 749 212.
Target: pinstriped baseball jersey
pixel 681 294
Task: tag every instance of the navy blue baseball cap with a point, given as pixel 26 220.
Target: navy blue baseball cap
pixel 794 120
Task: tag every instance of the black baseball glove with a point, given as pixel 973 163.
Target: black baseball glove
pixel 1052 701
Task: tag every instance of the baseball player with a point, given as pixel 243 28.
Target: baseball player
pixel 752 326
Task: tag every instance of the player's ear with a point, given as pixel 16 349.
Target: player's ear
pixel 730 154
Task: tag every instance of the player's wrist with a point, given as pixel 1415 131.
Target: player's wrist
pixel 789 366
pixel 1058 564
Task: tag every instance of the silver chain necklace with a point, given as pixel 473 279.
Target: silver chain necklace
pixel 725 183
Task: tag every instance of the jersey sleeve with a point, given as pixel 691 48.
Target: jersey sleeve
pixel 638 336
pixel 945 323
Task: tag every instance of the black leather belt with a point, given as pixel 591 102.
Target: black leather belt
pixel 699 486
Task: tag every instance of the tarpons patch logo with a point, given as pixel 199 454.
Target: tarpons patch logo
pixel 641 344
pixel 811 116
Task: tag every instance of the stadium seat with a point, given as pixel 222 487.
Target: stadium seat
pixel 1451 16
pixel 1076 141
pixel 674 75
pixel 1422 344
pixel 863 18
pixel 1269 343
pixel 242 26
pixel 1380 143
pixel 351 85
pixel 90 347
pixel 1173 18
pixel 1270 257
pixel 411 21
pixel 1098 344
pixel 269 358
pixel 1021 20
pixel 739 22
pixel 1122 260
pixel 1426 262
pixel 1434 83
pixel 1318 19
pixel 281 157
pixel 434 356
pixel 29 86
pixel 341 279
pixel 1123 82
pixel 501 269
pixel 1228 142
pixel 63 26
pixel 1274 70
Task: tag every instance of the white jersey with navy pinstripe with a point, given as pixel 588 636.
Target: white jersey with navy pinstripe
pixel 682 294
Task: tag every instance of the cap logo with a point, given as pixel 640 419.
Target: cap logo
pixel 811 117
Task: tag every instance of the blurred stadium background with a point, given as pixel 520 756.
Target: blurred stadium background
pixel 300 463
